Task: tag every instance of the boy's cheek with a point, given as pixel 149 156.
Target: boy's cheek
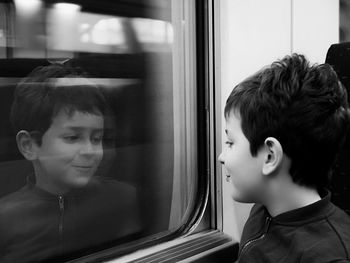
pixel 100 154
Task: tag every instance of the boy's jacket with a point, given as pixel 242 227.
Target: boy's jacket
pixel 36 225
pixel 317 233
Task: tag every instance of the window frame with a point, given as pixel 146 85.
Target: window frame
pixel 187 243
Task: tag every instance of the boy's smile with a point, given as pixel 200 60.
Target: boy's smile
pixel 70 152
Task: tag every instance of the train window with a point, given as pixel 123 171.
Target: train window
pixel 141 57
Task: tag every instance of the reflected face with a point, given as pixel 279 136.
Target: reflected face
pixel 70 152
pixel 243 170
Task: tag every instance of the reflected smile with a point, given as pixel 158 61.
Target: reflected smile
pixel 83 168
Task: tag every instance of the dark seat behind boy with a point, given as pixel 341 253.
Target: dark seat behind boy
pixel 338 56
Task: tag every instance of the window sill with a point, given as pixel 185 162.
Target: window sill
pixel 210 246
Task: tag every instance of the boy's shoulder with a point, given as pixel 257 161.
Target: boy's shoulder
pixel 339 222
pixel 322 230
pixel 107 184
pixel 12 208
pixel 330 239
pixel 15 201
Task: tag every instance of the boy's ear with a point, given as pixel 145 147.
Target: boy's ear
pixel 273 155
pixel 26 145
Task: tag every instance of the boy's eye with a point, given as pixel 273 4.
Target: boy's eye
pixel 229 144
pixel 71 138
pixel 97 139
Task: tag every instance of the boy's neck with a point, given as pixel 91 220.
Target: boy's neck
pixel 289 196
pixel 42 182
pixel 50 189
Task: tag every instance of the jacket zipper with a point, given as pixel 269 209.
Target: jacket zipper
pixel 60 226
pixel 253 240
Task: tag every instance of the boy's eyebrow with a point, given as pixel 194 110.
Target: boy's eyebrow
pixel 79 128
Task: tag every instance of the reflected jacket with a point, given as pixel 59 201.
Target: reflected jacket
pixel 36 225
pixel 319 232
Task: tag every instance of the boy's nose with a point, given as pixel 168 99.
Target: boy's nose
pixel 87 148
pixel 221 159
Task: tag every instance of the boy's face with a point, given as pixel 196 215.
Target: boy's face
pixel 243 170
pixel 70 152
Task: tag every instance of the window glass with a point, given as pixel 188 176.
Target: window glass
pixel 78 177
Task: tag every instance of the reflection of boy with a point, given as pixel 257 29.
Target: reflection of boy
pixel 284 126
pixel 59 119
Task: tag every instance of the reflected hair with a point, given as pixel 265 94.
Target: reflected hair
pixel 303 106
pixel 38 98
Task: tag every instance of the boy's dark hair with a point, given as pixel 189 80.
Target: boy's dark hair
pixel 303 106
pixel 37 99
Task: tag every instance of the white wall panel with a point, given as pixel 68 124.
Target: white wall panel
pixel 315 26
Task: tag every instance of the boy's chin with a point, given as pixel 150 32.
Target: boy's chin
pixel 241 198
pixel 80 182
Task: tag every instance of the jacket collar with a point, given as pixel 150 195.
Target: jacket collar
pixel 313 212
pixel 31 184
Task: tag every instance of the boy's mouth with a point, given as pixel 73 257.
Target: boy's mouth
pixel 83 168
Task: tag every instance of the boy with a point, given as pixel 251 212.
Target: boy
pixel 284 126
pixel 59 118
